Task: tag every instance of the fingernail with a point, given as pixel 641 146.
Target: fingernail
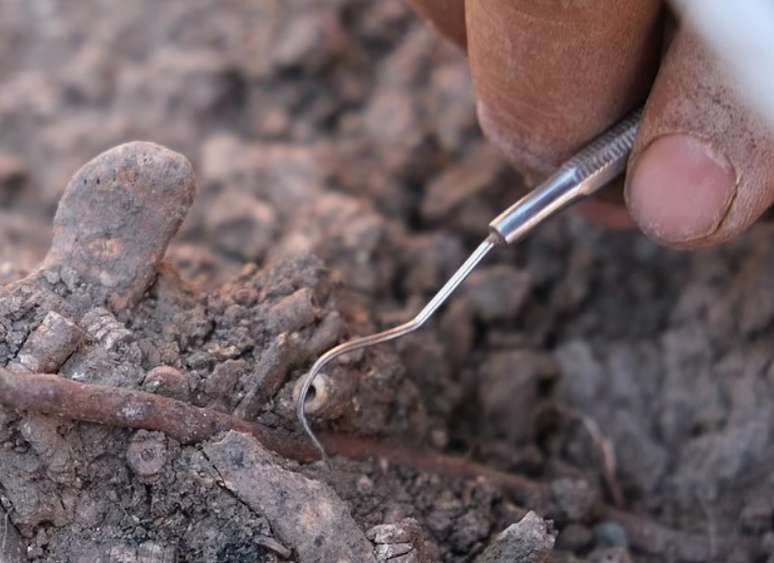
pixel 680 189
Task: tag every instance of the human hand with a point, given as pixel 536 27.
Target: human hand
pixel 550 75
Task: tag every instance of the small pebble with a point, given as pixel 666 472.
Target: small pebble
pixel 610 534
pixel 439 437
pixel 365 485
pixel 169 382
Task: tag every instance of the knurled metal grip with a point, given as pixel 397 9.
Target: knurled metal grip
pixel 589 170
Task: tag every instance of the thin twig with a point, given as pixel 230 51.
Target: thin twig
pixel 607 452
pixel 605 448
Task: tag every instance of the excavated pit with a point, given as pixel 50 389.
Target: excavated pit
pixel 586 397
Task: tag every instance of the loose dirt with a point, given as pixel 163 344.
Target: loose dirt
pixel 587 396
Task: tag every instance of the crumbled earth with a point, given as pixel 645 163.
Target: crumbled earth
pixel 340 178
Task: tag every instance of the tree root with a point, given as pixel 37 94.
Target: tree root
pixel 115 406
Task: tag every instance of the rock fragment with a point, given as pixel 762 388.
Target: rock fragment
pixel 403 542
pixel 293 312
pixel 305 515
pixel 528 541
pixel 49 345
pixel 270 371
pixel 117 216
pixel 329 331
pixel 102 325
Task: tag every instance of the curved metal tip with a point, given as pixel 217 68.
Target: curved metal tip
pixel 589 170
pixel 306 384
pixel 384 336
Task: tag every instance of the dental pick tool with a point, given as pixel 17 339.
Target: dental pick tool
pixel 581 176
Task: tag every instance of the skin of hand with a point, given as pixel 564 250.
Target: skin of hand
pixel 550 75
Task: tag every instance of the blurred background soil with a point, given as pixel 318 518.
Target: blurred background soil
pixel 341 178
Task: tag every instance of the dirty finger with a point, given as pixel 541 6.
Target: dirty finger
pixel 701 171
pixel 549 76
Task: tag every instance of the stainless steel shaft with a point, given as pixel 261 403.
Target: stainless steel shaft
pixel 582 175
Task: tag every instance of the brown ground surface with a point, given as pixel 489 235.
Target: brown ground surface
pixel 341 177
